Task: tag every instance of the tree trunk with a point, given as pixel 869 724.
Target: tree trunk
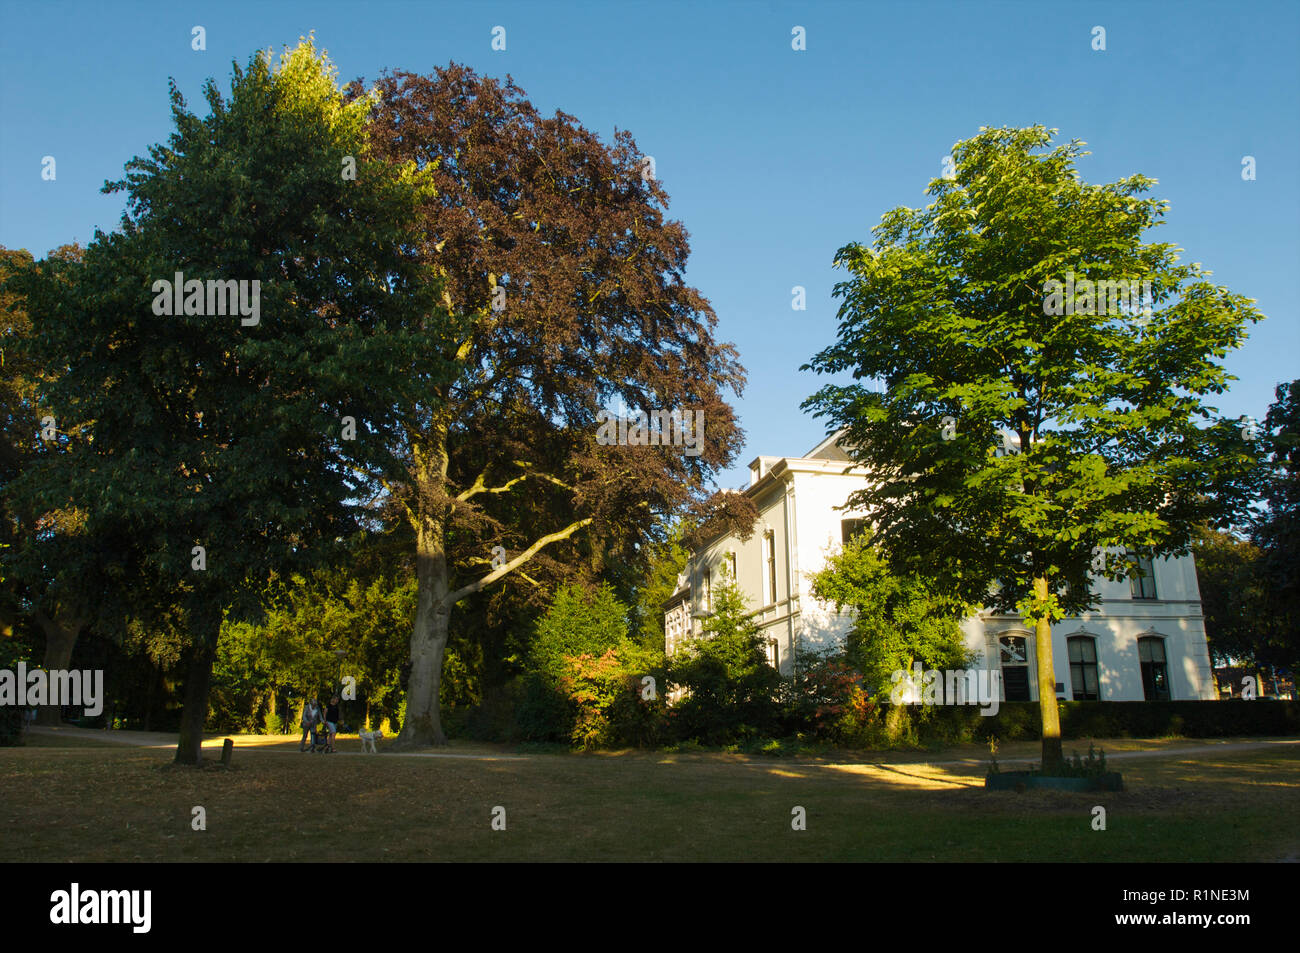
pixel 60 638
pixel 1050 714
pixel 422 724
pixel 195 713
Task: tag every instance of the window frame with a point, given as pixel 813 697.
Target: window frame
pixel 1150 667
pixel 1146 580
pixel 1079 685
pixel 769 578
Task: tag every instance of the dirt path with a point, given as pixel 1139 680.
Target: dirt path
pixel 289 744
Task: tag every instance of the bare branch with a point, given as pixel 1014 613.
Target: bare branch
pixel 519 560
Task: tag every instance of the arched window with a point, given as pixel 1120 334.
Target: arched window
pixel 1083 668
pixel 1014 656
pixel 1155 668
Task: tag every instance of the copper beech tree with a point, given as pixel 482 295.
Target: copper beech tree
pixel 554 261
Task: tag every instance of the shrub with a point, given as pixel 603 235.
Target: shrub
pixel 272 722
pixel 732 693
pixel 608 700
pixel 1019 721
pixel 826 698
pixel 11 716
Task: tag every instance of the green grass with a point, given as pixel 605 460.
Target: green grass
pixel 123 804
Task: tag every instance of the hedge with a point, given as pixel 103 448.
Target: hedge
pixel 1019 721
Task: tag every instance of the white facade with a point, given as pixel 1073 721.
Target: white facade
pixel 1148 643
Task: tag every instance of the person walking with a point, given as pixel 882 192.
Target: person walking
pixel 310 719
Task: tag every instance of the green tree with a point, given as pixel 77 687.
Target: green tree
pixel 667 558
pixel 899 619
pixel 1026 434
pixel 49 550
pixel 578 622
pixel 226 431
pixel 731 689
pixel 1228 575
pixel 1276 532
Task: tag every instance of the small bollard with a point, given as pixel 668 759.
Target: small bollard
pixel 227 749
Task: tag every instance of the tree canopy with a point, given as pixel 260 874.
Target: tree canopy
pixel 211 440
pixel 1035 416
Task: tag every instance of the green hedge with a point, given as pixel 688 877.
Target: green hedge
pixel 1019 721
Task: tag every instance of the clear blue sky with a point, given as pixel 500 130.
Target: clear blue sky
pixel 773 158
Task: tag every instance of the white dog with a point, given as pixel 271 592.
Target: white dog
pixel 369 738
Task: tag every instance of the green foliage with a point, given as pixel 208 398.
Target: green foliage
pixel 732 692
pixel 12 651
pixel 1019 721
pixel 1232 597
pixel 1276 532
pixel 581 664
pixel 826 698
pixel 200 429
pixel 578 622
pixel 1110 443
pixel 606 693
pixel 272 723
pixel 667 559
pixel 900 618
pixel 292 651
pixel 1093 766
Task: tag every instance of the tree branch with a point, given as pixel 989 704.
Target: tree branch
pixel 519 560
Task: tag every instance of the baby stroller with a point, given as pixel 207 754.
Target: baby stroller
pixel 320 739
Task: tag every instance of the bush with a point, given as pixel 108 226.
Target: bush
pixel 543 713
pixel 1020 721
pixel 827 699
pixel 11 716
pixel 272 722
pixel 732 694
pixel 608 700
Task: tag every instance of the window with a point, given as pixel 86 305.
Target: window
pixel 1155 669
pixel 1144 584
pixel 1014 656
pixel 769 546
pixel 851 528
pixel 1083 668
pixel 729 562
pixel 708 590
pixel 774 653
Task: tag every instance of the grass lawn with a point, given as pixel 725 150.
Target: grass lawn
pixel 67 799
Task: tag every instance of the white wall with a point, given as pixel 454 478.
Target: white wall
pixel 799 507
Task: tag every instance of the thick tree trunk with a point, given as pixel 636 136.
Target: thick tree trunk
pixel 197 682
pixel 1050 714
pixel 422 724
pixel 60 638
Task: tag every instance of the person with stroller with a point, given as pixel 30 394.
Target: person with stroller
pixel 332 721
pixel 311 718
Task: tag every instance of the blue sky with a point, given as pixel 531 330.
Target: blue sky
pixel 773 158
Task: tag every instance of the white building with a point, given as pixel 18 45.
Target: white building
pixel 1146 641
